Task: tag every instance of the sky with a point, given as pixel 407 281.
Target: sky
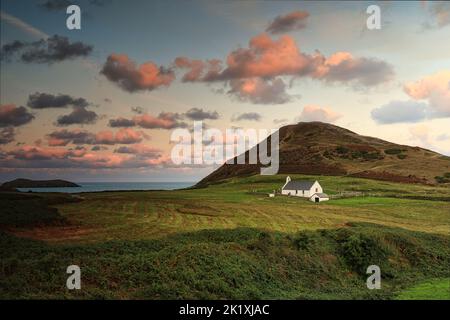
pixel 100 103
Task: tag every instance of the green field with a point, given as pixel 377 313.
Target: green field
pixel 436 289
pixel 229 240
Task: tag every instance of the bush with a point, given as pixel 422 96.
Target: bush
pixel 393 151
pixel 361 251
pixel 401 156
pixel 341 150
pixel 440 179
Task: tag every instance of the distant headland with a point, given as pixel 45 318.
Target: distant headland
pixel 27 183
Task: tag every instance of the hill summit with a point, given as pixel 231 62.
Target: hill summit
pixel 323 149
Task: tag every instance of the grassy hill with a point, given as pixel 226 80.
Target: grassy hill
pixel 229 240
pixel 324 149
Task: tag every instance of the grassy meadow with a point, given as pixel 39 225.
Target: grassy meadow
pixel 227 241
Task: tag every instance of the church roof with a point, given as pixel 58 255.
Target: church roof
pixel 299 185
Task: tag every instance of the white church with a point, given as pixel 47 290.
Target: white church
pixel 306 189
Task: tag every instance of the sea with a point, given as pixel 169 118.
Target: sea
pixel 114 186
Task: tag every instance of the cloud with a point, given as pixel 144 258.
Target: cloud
pixel 343 67
pixel 50 50
pixel 6 135
pixel 8 50
pixel 295 20
pixel 121 123
pixel 124 72
pixel 57 157
pixel 430 99
pixel 266 60
pixel 10 115
pixel 165 120
pixel 439 15
pixel 198 69
pixel 200 114
pixel 39 153
pixel 435 89
pixel 259 91
pixel 79 115
pixel 400 111
pixel 55 5
pixel 139 149
pixel 249 116
pixel 64 137
pixel 123 136
pixel 317 113
pixel 45 100
pixel 22 25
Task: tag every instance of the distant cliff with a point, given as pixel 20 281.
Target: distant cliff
pixel 26 183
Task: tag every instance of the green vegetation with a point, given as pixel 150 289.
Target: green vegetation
pixel 20 210
pixel 342 150
pixel 228 240
pixel 436 289
pixel 445 178
pixel 241 263
pixel 366 155
pixel 393 151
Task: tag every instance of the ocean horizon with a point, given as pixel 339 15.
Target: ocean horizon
pixel 113 186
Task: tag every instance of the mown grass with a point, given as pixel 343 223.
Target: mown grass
pixel 229 240
pixel 244 203
pixel 435 289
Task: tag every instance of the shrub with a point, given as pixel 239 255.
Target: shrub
pixel 401 156
pixel 360 251
pixel 393 151
pixel 341 150
pixel 440 179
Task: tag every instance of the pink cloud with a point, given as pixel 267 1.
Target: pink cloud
pixel 11 115
pixel 131 77
pixel 165 120
pixel 435 89
pixel 268 59
pixel 123 136
pixel 259 90
pixel 139 149
pixel 198 69
pixel 39 153
pixel 78 137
